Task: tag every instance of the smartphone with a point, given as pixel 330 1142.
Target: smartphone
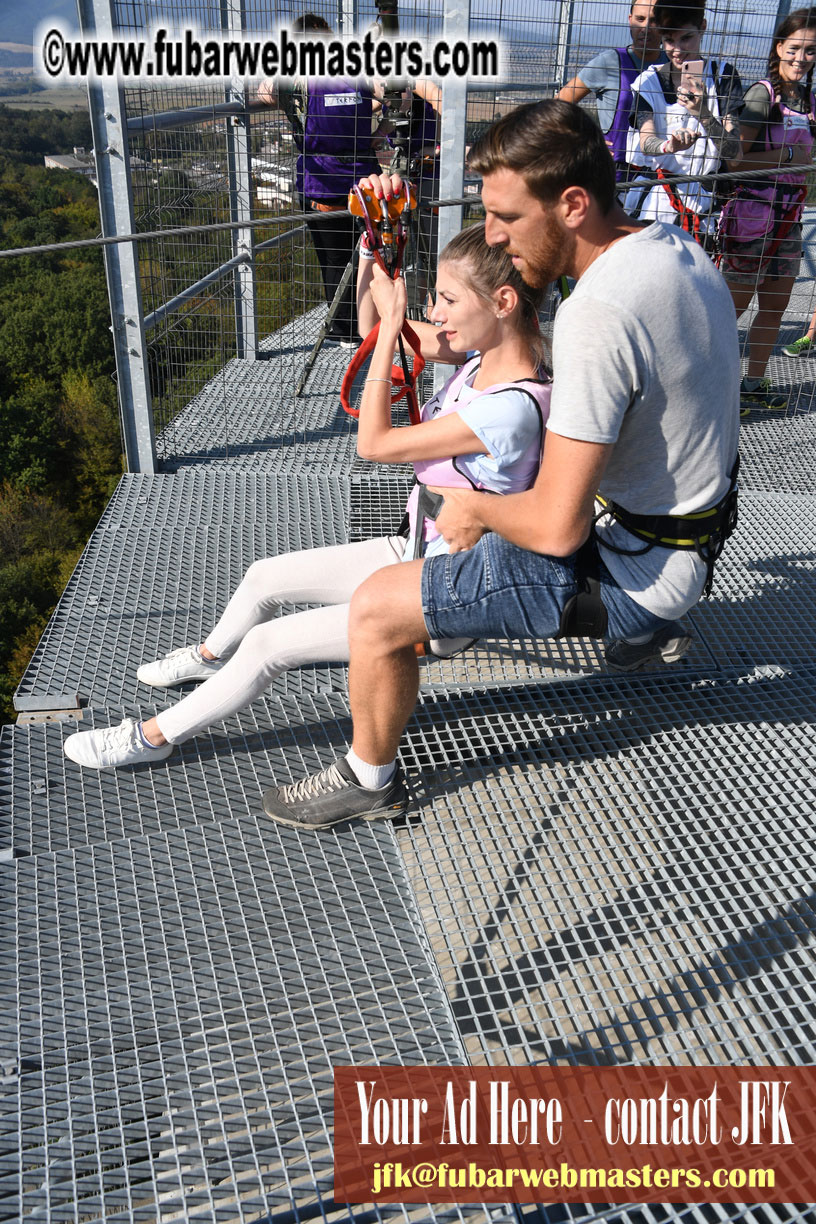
pixel 691 76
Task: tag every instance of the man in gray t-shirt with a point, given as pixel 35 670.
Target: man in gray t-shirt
pixel 647 362
pixel 644 420
pixel 609 78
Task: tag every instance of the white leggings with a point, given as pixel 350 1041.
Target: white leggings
pixel 260 645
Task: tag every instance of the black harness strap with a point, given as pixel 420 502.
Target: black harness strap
pixel 429 506
pixel 584 614
pixel 703 532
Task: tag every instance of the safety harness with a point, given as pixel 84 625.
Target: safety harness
pixel 687 218
pixel 761 209
pixel 386 236
pixel 703 532
pixel 779 210
pixel 721 81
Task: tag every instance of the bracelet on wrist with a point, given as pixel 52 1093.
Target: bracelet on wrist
pixel 388 380
pixel 366 252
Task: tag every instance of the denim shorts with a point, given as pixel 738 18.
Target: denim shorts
pixel 499 590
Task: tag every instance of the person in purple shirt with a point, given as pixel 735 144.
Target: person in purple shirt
pixel 609 77
pixel 333 123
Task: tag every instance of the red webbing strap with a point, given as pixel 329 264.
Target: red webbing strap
pixel 403 378
pixel 403 381
pixel 689 220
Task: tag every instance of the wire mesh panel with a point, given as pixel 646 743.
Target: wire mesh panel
pixel 188 170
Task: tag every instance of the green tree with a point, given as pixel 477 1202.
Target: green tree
pixel 60 451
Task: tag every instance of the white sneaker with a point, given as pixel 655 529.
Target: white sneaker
pixel 112 746
pixel 177 667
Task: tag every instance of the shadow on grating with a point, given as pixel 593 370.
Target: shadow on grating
pixel 181 1002
pixel 47 802
pixel 606 870
pixel 615 872
pixel 777 449
pixel 762 608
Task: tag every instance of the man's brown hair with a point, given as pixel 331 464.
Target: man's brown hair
pixel 553 145
pixel 672 17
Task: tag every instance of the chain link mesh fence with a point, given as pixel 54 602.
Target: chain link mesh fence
pixel 184 173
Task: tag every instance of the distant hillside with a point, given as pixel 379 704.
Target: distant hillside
pixel 26 135
pixel 15 59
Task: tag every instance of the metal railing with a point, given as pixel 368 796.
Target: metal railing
pixel 183 167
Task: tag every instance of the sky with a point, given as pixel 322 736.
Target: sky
pixel 733 24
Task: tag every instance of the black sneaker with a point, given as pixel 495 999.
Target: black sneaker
pixel 333 795
pixel 346 340
pixel 760 395
pixel 667 645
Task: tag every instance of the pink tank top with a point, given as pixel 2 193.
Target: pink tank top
pixel 451 473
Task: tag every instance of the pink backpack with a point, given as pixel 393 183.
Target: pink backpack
pixel 754 212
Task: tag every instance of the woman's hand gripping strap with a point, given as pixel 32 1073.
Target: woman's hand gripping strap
pixel 383 226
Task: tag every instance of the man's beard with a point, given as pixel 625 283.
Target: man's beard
pixel 551 257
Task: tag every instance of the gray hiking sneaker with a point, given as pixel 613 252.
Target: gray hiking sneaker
pixel 667 645
pixel 333 795
pixel 177 667
pixel 111 746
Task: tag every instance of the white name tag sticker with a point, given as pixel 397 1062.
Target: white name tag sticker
pixel 347 99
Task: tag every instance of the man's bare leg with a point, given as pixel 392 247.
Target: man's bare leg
pixel 385 623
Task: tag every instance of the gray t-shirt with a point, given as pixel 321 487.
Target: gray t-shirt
pixel 602 76
pixel 645 356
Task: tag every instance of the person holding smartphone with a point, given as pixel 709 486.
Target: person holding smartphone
pixel 686 113
pixel 609 76
pixel 761 236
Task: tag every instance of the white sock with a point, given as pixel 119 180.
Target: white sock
pixel 639 641
pixel 371 777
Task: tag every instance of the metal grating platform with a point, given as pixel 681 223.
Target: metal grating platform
pixel 182 1000
pixel 762 607
pixel 169 551
pixel 777 452
pixel 595 870
pixel 618 871
pixel 140 591
pixel 157 577
pixel 658 931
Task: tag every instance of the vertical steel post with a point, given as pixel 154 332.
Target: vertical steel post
pixel 347 15
pixel 566 14
pixel 452 141
pixel 240 195
pixel 108 125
